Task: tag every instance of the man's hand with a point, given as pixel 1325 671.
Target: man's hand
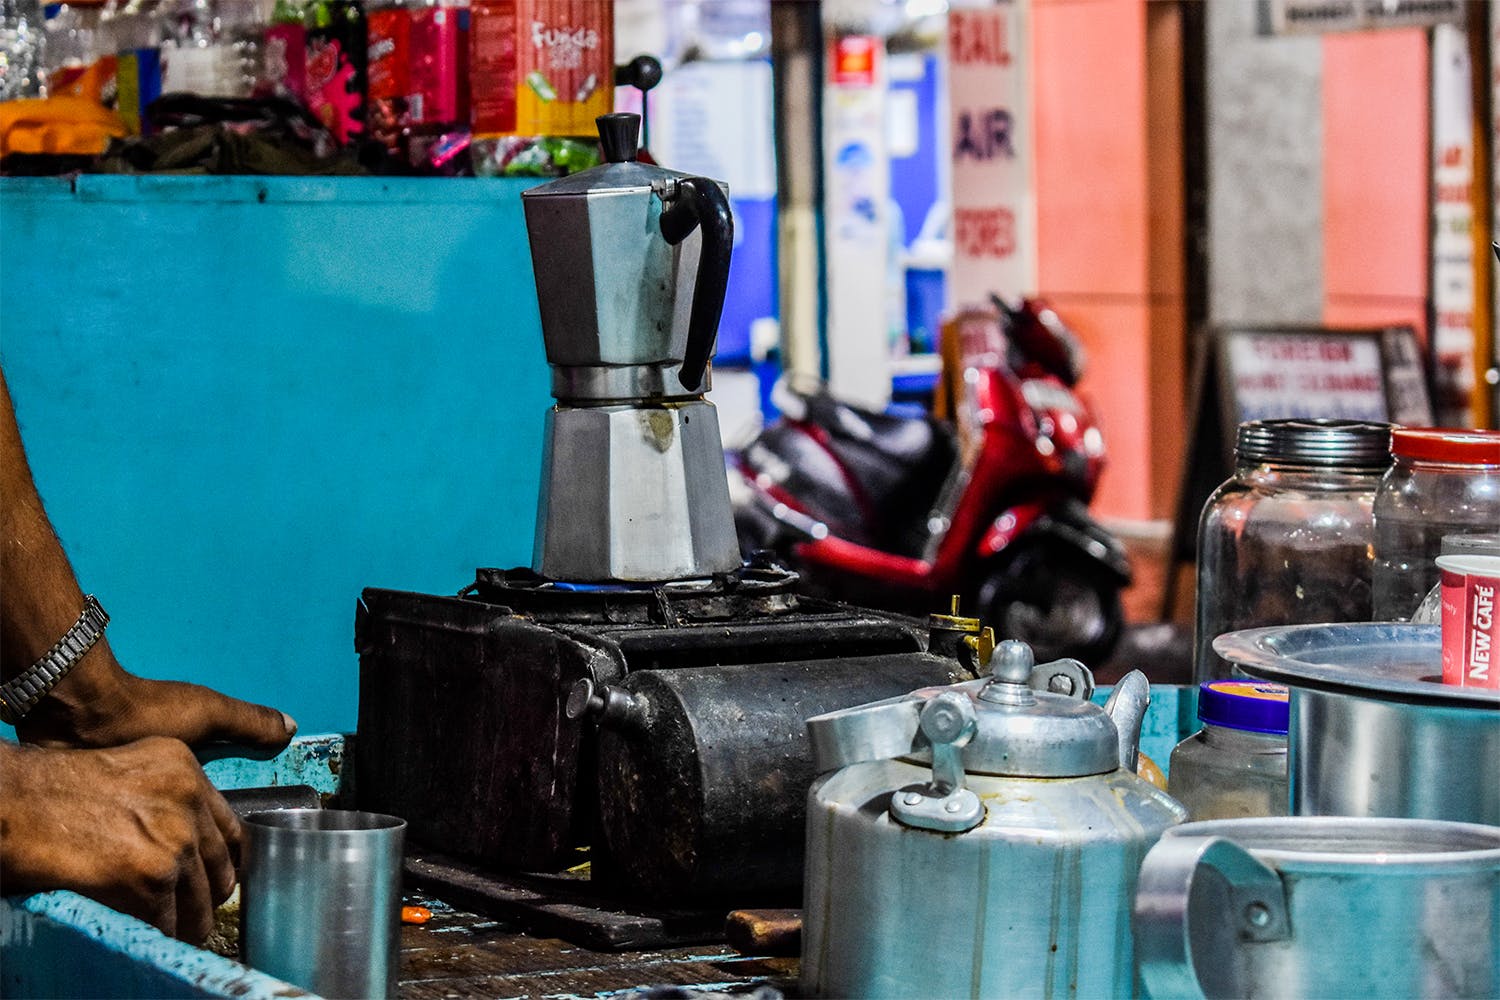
pixel 98 704
pixel 136 827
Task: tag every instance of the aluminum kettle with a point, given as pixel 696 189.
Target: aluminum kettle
pixel 612 258
pixel 981 839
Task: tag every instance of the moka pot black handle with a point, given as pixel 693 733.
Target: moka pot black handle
pixel 699 203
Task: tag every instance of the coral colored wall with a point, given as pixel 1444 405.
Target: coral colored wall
pixel 1107 100
pixel 1095 221
pixel 1376 164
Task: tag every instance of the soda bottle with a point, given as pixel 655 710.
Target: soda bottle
pixel 138 64
pixel 438 105
pixel 440 62
pixel 284 61
pixel 337 49
pixel 389 71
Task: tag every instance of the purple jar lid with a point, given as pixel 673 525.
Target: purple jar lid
pixel 1254 706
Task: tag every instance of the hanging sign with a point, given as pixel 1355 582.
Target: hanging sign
pixel 1492 376
pixel 1313 17
pixel 856 233
pixel 853 63
pixel 1280 372
pixel 990 129
pixel 1452 227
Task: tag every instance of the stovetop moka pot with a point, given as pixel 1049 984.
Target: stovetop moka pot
pixel 631 264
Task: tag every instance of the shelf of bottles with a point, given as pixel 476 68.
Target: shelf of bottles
pixel 492 87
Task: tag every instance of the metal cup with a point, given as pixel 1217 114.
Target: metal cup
pixel 320 899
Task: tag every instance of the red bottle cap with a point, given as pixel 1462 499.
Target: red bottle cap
pixel 1456 447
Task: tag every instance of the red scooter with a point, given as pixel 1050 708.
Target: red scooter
pixel 988 500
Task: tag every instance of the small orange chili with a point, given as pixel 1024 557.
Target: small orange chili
pixel 415 914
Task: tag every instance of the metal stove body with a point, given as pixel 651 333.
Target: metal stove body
pixel 661 726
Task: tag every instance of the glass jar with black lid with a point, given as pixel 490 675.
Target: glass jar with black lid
pixel 1288 539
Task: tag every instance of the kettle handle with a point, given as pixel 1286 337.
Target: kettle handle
pixel 699 203
pixel 1164 890
pixel 1127 706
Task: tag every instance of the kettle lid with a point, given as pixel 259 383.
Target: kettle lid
pixel 1025 728
pixel 1024 720
pixel 619 138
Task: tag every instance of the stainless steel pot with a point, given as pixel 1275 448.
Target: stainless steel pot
pixel 1373 731
pixel 1320 907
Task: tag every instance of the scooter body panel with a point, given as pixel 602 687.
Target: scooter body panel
pixel 873 507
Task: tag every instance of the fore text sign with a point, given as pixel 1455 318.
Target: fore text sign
pixel 1273 374
pixel 994 201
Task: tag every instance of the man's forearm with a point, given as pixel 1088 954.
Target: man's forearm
pixel 39 596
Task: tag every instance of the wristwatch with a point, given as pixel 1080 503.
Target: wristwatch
pixel 20 694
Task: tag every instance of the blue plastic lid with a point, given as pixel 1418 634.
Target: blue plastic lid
pixel 1253 706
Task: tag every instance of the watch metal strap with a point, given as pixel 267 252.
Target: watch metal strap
pixel 20 695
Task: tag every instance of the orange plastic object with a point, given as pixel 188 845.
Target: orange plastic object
pixel 1147 768
pixel 73 125
pixel 415 914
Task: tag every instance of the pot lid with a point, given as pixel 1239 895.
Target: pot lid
pixel 1389 661
pixel 620 173
pixel 1025 720
pixel 1020 731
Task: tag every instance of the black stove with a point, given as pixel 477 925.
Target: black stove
pixel 755 589
pixel 681 762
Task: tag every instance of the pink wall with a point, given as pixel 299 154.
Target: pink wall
pixel 1094 222
pixel 1375 177
pixel 1109 212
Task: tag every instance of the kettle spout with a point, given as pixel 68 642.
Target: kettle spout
pixel 1127 707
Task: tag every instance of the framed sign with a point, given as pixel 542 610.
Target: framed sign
pixel 1278 372
pixel 1269 373
pixel 1313 17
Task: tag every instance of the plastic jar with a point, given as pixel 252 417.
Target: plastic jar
pixel 1235 765
pixel 1443 482
pixel 1287 540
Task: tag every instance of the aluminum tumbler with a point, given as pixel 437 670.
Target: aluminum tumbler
pixel 321 899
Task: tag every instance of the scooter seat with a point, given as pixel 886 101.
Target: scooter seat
pixel 907 441
pixel 899 463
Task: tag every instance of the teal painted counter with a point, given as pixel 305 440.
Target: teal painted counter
pixel 62 945
pixel 245 399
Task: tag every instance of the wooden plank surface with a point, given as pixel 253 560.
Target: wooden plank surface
pixel 460 953
pixel 561 905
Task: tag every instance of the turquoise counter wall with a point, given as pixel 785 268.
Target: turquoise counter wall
pixel 246 399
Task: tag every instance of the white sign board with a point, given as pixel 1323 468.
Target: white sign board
pixel 990 119
pixel 1274 375
pixel 856 236
pixel 714 119
pixel 1452 227
pixel 1312 17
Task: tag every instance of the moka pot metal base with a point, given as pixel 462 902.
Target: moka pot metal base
pixel 635 493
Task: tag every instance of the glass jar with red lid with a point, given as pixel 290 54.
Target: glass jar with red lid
pixel 1442 482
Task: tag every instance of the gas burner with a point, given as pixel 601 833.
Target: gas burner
pixel 752 590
